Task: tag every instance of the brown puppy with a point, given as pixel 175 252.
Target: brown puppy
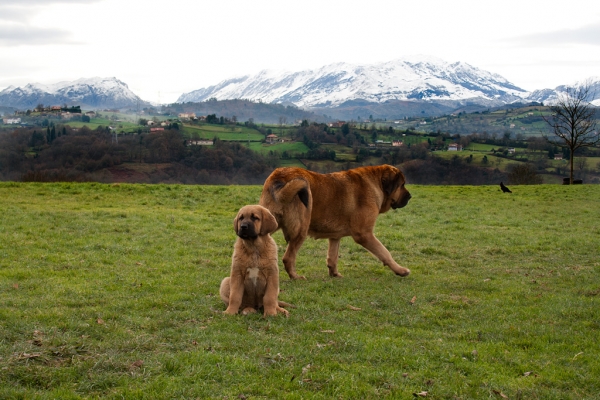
pixel 254 279
pixel 331 206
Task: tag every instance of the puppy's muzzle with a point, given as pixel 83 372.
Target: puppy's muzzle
pixel 246 231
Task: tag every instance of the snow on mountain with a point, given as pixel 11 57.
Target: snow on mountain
pixel 549 96
pixel 94 93
pixel 410 78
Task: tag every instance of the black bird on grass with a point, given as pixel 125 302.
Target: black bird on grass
pixel 504 188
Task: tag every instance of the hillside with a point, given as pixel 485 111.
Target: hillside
pixel 245 110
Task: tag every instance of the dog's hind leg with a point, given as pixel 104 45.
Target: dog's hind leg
pixel 224 290
pixel 236 292
pixel 332 258
pixel 371 243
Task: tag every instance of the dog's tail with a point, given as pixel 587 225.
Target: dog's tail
pixel 283 304
pixel 284 193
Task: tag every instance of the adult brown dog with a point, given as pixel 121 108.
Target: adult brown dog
pixel 254 278
pixel 331 206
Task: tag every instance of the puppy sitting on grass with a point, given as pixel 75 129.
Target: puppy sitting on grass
pixel 254 279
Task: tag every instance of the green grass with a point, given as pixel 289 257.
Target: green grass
pixel 121 126
pixel 224 132
pixel 290 147
pixel 111 291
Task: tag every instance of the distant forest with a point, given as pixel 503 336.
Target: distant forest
pixel 61 153
pixel 67 154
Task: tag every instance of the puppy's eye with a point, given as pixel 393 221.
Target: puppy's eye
pixel 254 218
pixel 241 217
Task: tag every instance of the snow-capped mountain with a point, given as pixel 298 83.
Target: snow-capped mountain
pixel 549 96
pixel 418 78
pixel 93 93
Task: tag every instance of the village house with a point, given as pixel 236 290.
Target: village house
pixel 397 143
pixel 187 115
pixel 11 121
pixel 272 138
pixel 337 124
pixel 200 142
pixel 455 147
pixel 156 129
pixel 558 156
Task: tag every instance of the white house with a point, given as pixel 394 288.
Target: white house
pixel 10 121
pixel 455 147
pixel 200 142
pixel 187 115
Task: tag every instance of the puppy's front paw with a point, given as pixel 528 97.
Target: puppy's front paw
pixel 248 310
pixel 230 311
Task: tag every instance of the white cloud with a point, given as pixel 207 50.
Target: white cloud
pixel 584 35
pixel 182 45
pixel 15 35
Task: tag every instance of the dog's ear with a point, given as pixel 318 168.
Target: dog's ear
pixel 235 222
pixel 268 223
pixel 391 179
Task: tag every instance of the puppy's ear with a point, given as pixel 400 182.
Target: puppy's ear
pixel 268 223
pixel 235 222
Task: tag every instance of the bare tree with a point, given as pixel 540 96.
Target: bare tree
pixel 573 120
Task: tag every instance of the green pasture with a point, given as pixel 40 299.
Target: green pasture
pixel 111 291
pixel 291 147
pixel 121 126
pixel 223 132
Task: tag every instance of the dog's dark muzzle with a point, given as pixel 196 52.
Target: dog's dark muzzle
pixel 247 231
pixel 402 201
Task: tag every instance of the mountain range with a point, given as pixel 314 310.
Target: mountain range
pixel 93 93
pixel 417 85
pixel 412 78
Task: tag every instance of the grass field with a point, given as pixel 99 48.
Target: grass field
pixel 290 147
pixel 121 126
pixel 223 132
pixel 111 291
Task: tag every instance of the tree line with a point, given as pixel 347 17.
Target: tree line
pixel 67 154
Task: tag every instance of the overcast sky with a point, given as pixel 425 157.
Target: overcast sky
pixel 162 49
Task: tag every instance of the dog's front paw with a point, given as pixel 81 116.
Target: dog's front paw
pixel 230 311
